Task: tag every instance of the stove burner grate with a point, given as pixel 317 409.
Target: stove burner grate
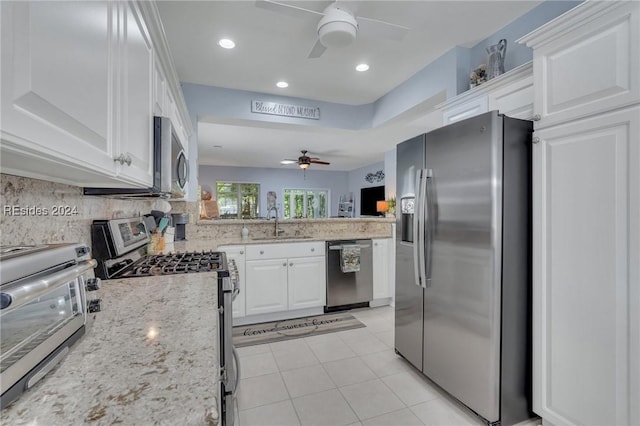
pixel 174 263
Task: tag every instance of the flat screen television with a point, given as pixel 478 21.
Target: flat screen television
pixel 368 198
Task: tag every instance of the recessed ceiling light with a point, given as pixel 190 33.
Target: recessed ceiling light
pixel 217 146
pixel 282 84
pixel 362 67
pixel 226 43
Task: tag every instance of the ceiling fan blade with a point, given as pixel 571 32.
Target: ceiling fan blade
pixel 288 161
pixel 317 51
pixel 369 27
pixel 286 9
pixel 319 162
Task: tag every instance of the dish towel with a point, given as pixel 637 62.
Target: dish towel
pixel 350 258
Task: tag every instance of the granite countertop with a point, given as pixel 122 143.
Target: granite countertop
pixel 149 357
pixel 294 221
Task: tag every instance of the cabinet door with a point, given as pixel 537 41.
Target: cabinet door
pixel 590 64
pixel 237 254
pixel 266 283
pixel 57 98
pixel 307 282
pixel 469 109
pixel 136 109
pixel 381 260
pixel 514 100
pixel 159 90
pixel 586 270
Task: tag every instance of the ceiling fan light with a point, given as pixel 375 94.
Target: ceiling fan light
pixel 304 165
pixel 337 28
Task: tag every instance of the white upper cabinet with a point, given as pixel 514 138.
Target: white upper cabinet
pixel 510 94
pixel 57 97
pixel 586 63
pixel 136 90
pixel 80 86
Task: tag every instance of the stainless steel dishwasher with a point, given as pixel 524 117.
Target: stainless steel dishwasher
pixel 347 290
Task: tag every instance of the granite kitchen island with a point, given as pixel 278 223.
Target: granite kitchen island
pixel 148 358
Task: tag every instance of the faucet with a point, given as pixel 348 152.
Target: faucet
pixel 276 231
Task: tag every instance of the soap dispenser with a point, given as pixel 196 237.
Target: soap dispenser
pixel 244 232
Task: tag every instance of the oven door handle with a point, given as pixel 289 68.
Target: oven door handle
pixel 18 294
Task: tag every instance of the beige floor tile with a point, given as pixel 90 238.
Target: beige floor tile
pixel 253 350
pixel 411 387
pixel 307 380
pixel 349 371
pixel 387 337
pixel 404 417
pixel 331 349
pixel 371 399
pixel 378 324
pixel 365 344
pixel 328 408
pixel 385 363
pixel 278 414
pixel 258 365
pixel 442 412
pixel 292 357
pixel 261 390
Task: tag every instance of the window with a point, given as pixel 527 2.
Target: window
pixel 238 200
pixel 306 203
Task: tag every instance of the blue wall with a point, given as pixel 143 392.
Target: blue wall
pixel 518 54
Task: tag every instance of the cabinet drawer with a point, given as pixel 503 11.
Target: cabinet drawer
pixel 285 250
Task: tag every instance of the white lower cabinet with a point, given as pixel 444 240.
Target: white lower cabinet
pixel 284 277
pixel 307 282
pixel 267 288
pixel 381 267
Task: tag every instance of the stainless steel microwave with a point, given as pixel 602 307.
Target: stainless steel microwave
pixel 170 167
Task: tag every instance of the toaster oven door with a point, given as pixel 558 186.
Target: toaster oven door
pixel 38 318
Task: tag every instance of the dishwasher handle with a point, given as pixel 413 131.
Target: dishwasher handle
pixel 362 246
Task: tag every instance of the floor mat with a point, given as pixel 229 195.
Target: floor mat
pixel 269 332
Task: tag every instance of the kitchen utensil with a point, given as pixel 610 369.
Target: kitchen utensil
pixel 150 223
pixel 163 224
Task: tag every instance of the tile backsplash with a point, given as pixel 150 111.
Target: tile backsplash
pixel 39 212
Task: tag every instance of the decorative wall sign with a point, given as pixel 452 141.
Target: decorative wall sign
pixel 274 108
pixel 375 177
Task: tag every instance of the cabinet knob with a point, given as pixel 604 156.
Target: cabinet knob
pixel 261 251
pixel 375 244
pixel 291 264
pixel 241 251
pixel 535 139
pixel 537 117
pixel 312 249
pixel 284 264
pixel 123 159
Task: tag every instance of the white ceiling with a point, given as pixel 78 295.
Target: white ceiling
pixel 272 46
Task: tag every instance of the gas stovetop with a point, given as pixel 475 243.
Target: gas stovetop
pixel 175 263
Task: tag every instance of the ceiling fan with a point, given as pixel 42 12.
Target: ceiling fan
pixel 304 161
pixel 338 26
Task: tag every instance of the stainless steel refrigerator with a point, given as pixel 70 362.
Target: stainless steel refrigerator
pixel 463 268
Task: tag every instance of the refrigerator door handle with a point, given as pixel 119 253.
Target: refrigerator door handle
pixel 417 215
pixel 429 218
pixel 419 228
